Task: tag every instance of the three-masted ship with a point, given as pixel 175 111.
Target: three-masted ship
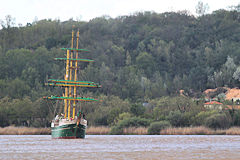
pixel 72 123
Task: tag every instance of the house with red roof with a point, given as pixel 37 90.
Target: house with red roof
pixel 233 95
pixel 213 105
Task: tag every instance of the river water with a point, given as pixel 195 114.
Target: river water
pixel 109 147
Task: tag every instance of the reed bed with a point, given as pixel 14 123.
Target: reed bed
pixel 102 130
pixel 233 131
pixel 24 131
pixel 201 130
pixel 135 131
pixel 187 131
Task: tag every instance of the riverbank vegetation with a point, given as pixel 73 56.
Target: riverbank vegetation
pixel 142 61
pixel 102 130
pixel 10 130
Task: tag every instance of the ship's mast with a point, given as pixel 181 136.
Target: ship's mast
pixel 70 95
pixel 75 76
pixel 70 78
pixel 66 88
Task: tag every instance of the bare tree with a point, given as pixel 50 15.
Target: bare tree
pixel 201 8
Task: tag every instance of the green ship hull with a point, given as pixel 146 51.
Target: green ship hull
pixel 69 131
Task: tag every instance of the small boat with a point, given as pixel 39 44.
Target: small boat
pixel 69 125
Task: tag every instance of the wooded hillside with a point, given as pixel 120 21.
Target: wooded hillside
pixel 138 58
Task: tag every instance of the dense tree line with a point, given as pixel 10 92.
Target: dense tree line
pixel 144 57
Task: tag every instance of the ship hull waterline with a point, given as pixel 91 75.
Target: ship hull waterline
pixel 68 131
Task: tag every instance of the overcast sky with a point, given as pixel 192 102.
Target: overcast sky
pixel 28 10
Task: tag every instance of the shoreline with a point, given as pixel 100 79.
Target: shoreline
pixel 102 130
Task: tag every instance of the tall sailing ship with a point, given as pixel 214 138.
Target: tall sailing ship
pixel 72 123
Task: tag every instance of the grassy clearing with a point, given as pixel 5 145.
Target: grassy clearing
pixel 102 130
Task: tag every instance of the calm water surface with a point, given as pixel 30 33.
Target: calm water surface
pixel 121 147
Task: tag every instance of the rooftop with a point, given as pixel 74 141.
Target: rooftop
pixel 212 102
pixel 232 93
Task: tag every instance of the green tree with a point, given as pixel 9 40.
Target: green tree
pixel 236 74
pixel 137 109
pixel 201 8
pixel 156 127
pixel 145 62
pixel 218 121
pixel 177 119
pixel 17 88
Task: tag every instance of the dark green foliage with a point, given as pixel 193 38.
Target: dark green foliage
pixel 101 120
pixel 137 109
pixel 236 118
pixel 218 121
pixel 177 119
pixel 107 111
pixel 142 55
pixel 17 89
pixel 134 122
pixel 138 58
pixel 156 127
pixel 201 117
pixel 6 112
pixel 145 62
pixel 20 112
pixel 115 130
pixel 129 122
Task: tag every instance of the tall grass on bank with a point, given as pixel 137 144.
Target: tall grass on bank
pixel 24 131
pixel 135 131
pixel 201 130
pixel 102 130
pixel 233 131
pixel 187 131
pixel 47 131
pixel 106 130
